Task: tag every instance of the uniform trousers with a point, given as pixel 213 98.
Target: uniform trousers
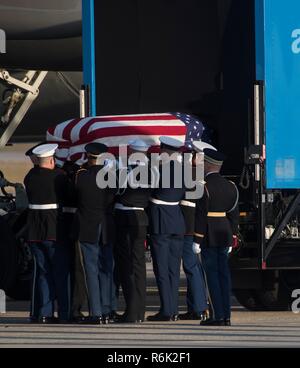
pixel 215 263
pixel 52 278
pixel 166 252
pixel 35 302
pixel 196 287
pixel 79 288
pixel 131 264
pixel 107 283
pixel 91 254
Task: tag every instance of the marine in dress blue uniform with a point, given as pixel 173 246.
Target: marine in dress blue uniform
pixel 46 188
pixel 34 309
pixel 167 229
pixel 216 225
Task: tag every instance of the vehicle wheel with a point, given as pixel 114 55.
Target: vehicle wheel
pixel 8 256
pixel 276 295
pixel 248 299
pixel 21 290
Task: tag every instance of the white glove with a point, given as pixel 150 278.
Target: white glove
pixel 196 248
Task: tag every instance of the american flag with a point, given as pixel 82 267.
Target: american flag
pixel 74 134
pixel 196 129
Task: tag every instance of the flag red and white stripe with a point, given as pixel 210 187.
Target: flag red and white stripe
pixel 73 135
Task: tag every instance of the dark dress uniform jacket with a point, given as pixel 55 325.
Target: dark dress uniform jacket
pixel 69 205
pixel 166 219
pixel 44 186
pixel 92 205
pixel 188 208
pixel 211 228
pixel 134 197
pixel 189 215
pixel 108 226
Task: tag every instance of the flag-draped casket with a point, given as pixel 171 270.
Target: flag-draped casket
pixel 74 134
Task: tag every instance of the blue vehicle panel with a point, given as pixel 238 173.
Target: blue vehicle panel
pixel 278 64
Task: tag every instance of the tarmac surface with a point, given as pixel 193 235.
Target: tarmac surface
pixel 272 330
pixel 249 330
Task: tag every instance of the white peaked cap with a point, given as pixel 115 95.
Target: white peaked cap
pixel 172 142
pixel 200 146
pixel 45 150
pixel 139 145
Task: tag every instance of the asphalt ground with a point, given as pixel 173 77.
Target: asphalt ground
pixel 249 329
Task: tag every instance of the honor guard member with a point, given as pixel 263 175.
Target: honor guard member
pixel 167 229
pixel 33 157
pixel 34 310
pixel 78 284
pixel 132 223
pixel 216 226
pixel 93 202
pixel 46 188
pixel 107 263
pixel 196 298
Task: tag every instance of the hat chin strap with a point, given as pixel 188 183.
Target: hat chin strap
pixel 212 161
pixel 99 160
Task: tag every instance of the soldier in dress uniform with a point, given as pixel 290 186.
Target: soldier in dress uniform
pixel 132 223
pixel 34 309
pixel 46 188
pixel 78 284
pixel 107 264
pixel 167 229
pixel 196 298
pixel 93 202
pixel 216 226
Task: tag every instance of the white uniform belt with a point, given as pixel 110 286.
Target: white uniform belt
pixel 158 201
pixel 52 206
pixel 119 206
pixel 69 210
pixel 188 204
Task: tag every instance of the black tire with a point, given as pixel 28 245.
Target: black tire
pixel 21 290
pixel 8 256
pixel 13 279
pixel 275 296
pixel 249 300
pixel 273 300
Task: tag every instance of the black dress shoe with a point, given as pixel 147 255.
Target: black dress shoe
pixel 190 316
pixel 159 317
pixel 33 320
pixel 126 319
pixel 64 321
pixel 92 321
pixel 106 320
pixel 114 317
pixel 227 322
pixel 46 320
pixel 212 322
pixel 79 319
pixel 130 321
